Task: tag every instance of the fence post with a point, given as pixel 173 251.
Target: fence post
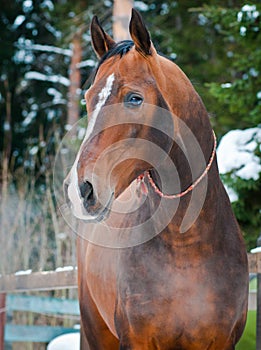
pixel 2 319
pixel 258 301
pixel 258 313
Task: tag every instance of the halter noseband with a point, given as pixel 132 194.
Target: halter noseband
pixel 191 187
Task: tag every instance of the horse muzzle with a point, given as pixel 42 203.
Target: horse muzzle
pixel 84 203
pixel 91 204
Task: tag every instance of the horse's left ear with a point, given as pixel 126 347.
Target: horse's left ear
pixel 101 41
pixel 139 34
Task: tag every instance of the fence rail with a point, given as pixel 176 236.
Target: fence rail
pixel 38 281
pixel 53 280
pixel 254 263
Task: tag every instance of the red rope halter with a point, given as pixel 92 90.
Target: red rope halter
pixel 191 187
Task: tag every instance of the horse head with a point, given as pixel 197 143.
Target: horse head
pixel 132 83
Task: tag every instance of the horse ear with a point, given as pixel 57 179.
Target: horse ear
pixel 140 34
pixel 101 41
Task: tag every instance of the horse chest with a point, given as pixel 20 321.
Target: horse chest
pixel 174 304
pixel 149 288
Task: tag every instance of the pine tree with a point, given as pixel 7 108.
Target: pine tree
pixel 239 94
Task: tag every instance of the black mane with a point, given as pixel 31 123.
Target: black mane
pixel 120 48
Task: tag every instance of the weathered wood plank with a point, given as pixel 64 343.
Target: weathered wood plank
pixel 46 305
pixel 41 334
pixel 254 263
pixel 38 281
pixel 2 319
pixel 258 258
pixel 258 314
pixel 252 300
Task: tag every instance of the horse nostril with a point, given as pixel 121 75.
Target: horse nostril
pixel 86 190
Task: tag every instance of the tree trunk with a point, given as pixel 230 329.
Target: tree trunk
pixel 75 81
pixel 121 19
pixel 2 319
pixel 4 174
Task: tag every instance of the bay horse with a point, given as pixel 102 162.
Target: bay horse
pixel 182 281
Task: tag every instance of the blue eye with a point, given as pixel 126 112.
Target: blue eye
pixel 133 100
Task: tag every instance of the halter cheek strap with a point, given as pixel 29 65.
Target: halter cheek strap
pixel 187 190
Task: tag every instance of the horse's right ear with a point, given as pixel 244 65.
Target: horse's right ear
pixel 139 34
pixel 101 41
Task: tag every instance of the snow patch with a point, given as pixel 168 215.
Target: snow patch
pixel 33 150
pixel 86 63
pixel 256 250
pixel 23 56
pixel 7 126
pixel 226 85
pixel 243 30
pixel 57 96
pixel 236 153
pixel 27 5
pixel 49 48
pixel 231 194
pixel 250 11
pixel 141 6
pixel 19 20
pixel 51 78
pixel 65 342
pixel 47 4
pixel 53 31
pixel 23 272
pixel 29 118
pixel 173 55
pixel 253 72
pixel 65 268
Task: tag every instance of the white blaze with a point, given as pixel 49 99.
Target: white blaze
pixel 103 96
pixel 73 189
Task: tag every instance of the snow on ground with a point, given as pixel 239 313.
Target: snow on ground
pixel 65 268
pixel 65 342
pixel 256 250
pixel 23 272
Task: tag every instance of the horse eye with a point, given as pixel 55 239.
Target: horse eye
pixel 133 100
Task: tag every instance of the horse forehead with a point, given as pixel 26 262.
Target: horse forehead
pixel 130 68
pixel 133 66
pixel 99 83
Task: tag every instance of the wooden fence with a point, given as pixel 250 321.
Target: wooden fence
pixel 58 307
pixel 38 281
pixel 53 280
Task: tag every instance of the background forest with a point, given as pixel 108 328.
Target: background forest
pixel 45 62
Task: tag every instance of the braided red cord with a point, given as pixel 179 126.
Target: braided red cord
pixel 192 186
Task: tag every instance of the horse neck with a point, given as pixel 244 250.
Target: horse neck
pixel 186 108
pixel 182 101
pixel 188 209
pixel 193 140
